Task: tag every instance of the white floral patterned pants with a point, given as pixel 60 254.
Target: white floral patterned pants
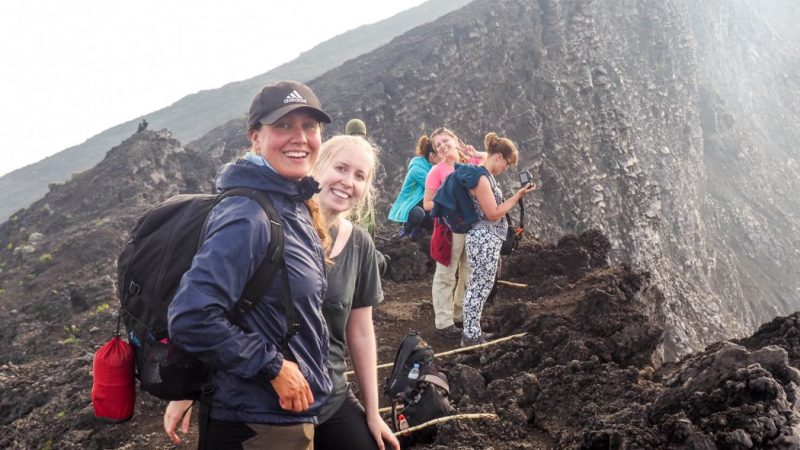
pixel 483 254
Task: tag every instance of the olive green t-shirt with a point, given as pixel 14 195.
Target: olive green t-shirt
pixel 353 282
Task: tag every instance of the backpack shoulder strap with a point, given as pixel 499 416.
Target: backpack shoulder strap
pixel 436 380
pixel 521 223
pixel 262 278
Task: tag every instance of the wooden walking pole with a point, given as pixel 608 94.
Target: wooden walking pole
pixel 477 346
pixel 510 284
pixel 447 419
pixel 380 366
pixel 458 350
pixel 386 409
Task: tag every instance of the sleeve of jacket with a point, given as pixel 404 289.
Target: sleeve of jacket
pixel 234 246
pixel 469 175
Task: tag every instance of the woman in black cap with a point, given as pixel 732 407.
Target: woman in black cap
pixel 267 390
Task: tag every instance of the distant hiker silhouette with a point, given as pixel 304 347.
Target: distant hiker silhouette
pixel 142 126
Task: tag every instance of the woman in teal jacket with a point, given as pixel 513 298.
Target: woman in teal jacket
pixel 407 209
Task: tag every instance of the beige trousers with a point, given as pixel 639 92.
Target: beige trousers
pixel 448 285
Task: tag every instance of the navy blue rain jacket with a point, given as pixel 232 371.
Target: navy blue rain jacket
pixel 454 194
pixel 235 244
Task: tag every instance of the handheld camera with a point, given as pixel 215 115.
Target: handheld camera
pixel 525 178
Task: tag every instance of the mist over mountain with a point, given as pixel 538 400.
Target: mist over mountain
pixel 663 132
pixel 195 114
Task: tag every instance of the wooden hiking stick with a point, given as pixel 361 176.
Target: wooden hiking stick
pixel 510 284
pixel 387 409
pixel 477 346
pixel 458 350
pixel 447 419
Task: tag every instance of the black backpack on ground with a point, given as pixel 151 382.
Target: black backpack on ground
pixel 413 350
pixel 149 270
pixel 421 398
pixel 426 399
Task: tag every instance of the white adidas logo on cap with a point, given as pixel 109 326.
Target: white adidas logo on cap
pixel 294 97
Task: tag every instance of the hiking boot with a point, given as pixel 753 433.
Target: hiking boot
pixel 467 341
pixel 451 332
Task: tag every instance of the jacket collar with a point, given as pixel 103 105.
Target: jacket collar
pixel 244 173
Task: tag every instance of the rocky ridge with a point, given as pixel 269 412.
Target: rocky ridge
pixel 589 373
pixel 58 256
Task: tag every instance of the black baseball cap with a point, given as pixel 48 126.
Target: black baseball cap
pixel 276 100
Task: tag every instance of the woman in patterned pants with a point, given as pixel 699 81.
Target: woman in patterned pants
pixel 484 240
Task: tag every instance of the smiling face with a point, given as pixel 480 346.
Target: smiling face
pixel 344 173
pixel 290 144
pixel 446 147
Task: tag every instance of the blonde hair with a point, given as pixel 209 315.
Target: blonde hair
pixel 495 144
pixel 330 149
pixel 443 130
pixel 321 227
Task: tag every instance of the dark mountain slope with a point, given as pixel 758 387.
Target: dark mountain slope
pixel 58 256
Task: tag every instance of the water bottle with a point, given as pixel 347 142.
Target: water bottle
pixel 413 374
pixel 402 423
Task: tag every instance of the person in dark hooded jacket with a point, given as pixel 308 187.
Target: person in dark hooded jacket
pixel 265 394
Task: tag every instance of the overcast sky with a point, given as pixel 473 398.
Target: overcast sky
pixel 71 69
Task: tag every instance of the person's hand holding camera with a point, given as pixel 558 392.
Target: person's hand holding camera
pixel 526 184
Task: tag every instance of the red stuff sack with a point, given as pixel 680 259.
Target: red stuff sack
pixel 441 243
pixel 113 388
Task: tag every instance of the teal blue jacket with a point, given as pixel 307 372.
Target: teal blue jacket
pixel 413 189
